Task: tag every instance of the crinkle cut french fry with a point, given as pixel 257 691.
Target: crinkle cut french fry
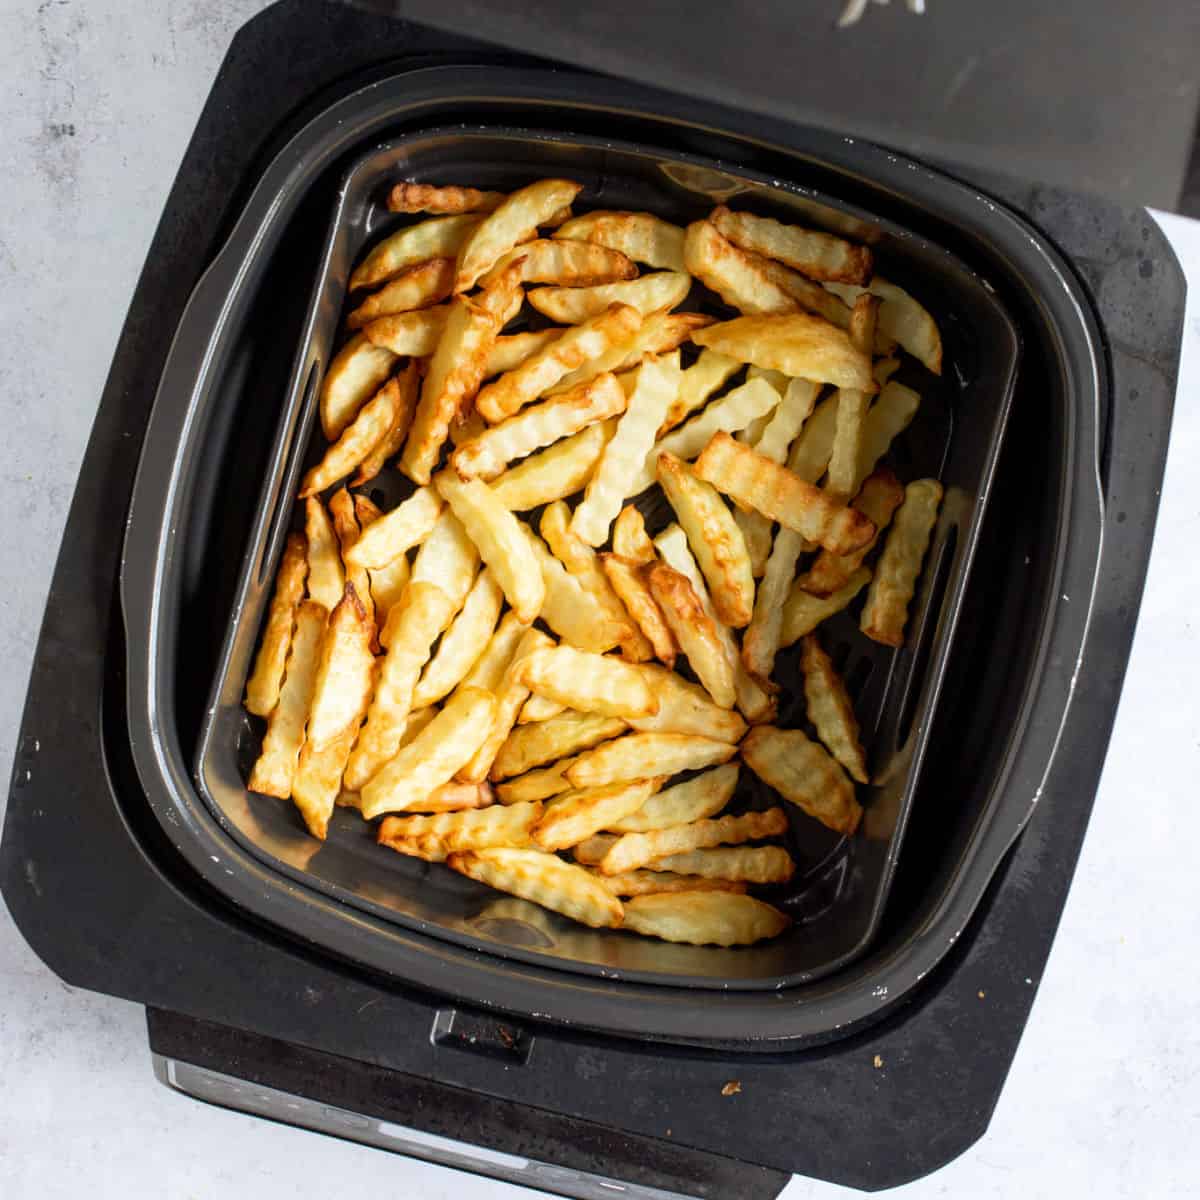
pixel 345 525
pixel 685 707
pixel 830 709
pixel 536 785
pixel 695 631
pixel 729 272
pixel 425 198
pixel 414 334
pixel 531 746
pixel 811 297
pixel 592 851
pixel 497 655
pixel 510 352
pixel 704 918
pixel 641 236
pixel 803 773
pixel 454 797
pixel 657 883
pixel 762 639
pixel 326 578
pixel 640 755
pixel 889 416
pixel 435 238
pixel 463 643
pixel 359 438
pixel 707 375
pixel 571 818
pixel 357 372
pixel 815 254
pixel 886 611
pixel 434 837
pixel 799 400
pixel 275 767
pixel 404 388
pixel 448 559
pixel 749 864
pixel 443 747
pixel 576 264
pixel 902 319
pixel 632 850
pixel 803 612
pixel 538 708
pixel 262 688
pixel 625 579
pixel 756 533
pixel 693 800
pixel 419 287
pixel 588 682
pixel 407 525
pixel 650 293
pixel 809 455
pixel 629 538
pixel 570 610
pixel 544 879
pixel 560 470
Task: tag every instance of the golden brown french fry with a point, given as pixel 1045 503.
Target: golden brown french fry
pixel 539 425
pixel 560 470
pixel 572 264
pixel 729 272
pixel 326 579
pixel 884 369
pixel 538 708
pixel 817 255
pixel 576 346
pixel 649 294
pixel 407 525
pixel 436 238
pixel 657 883
pixel 830 709
pixel 443 747
pixel 500 540
pixel 448 559
pixel 417 621
pixel 623 458
pixel 803 773
pixel 756 481
pixel 886 611
pixel 693 800
pixel 510 352
pixel 536 785
pixel 403 389
pixel 879 497
pixel 641 755
pixel 639 235
pixel 544 879
pixel 345 525
pixel 434 837
pixel 454 797
pixel 903 319
pixel 629 537
pixel 762 640
pixel 262 688
pixel 625 579
pixel 414 334
pixel 749 864
pixel 425 198
pixel 462 643
pixel 714 537
pixel 685 707
pixel 798 344
pixel 531 746
pixel 388 585
pixel 575 816
pixel 704 918
pixel 701 380
pixel 357 372
pixel 419 287
pixel 340 695
pixel 803 612
pixel 694 631
pixel 756 533
pixel 490 666
pixel 514 220
pixel 275 767
pixel 588 682
pixel 360 437
pixel 570 610
pixel 632 850
pixel 592 850
pixel 811 297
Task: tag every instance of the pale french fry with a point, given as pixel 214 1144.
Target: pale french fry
pixel 276 766
pixel 657 883
pixel 714 537
pixel 762 640
pixel 576 346
pixel 830 709
pixel 345 525
pixel 884 369
pixel 262 688
pixel 649 294
pixel 799 400
pixel 629 538
pixel 573 817
pixel 417 621
pixel 539 425
pixel 510 352
pixel 685 707
pixel 403 388
pixel 544 879
pixel 798 344
pixel 624 456
pixel 570 610
pixel 890 415
pixel 438 237
pixel 879 497
pixel 359 438
pixel 500 540
pixel 704 918
pixel 749 864
pixel 588 682
pixel 514 220
pixel 419 287
pixel 704 377
pixel 357 372
pixel 803 773
pixel 809 455
pixel 558 471
pixel 817 255
pixel 693 800
pixel 431 759
pixel 434 837
pixel 448 559
pixel 592 850
pixel 463 643
pixel 641 755
pixel 803 612
pixel 490 666
pixel 729 272
pixel 625 579
pixel 756 533
pixel 536 785
pixel 388 585
pixel 641 236
pixel 340 695
pixel 425 198
pixel 777 493
pixel 568 263
pixel 632 850
pixel 731 412
pixel 852 407
pixel 414 334
pixel 539 708
pixel 886 611
pixel 531 746
pixel 407 525
pixel 326 578
pixel 903 319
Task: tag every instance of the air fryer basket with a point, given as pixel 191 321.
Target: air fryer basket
pixel 199 466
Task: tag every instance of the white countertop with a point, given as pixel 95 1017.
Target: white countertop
pixel 97 102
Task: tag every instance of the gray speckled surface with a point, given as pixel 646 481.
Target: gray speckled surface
pixel 96 103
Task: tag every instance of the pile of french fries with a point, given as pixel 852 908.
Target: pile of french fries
pixel 494 665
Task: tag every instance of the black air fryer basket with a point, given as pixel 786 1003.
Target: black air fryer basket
pixel 162 879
